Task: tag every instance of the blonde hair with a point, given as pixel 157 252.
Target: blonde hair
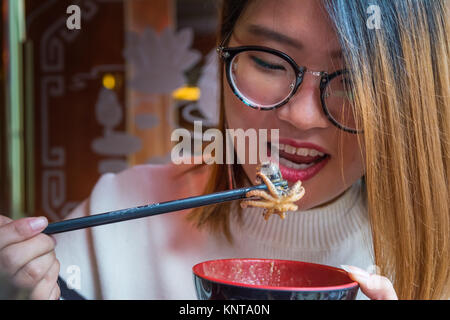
pixel 402 91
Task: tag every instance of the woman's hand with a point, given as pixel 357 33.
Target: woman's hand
pixel 374 286
pixel 28 256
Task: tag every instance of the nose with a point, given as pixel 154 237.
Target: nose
pixel 304 109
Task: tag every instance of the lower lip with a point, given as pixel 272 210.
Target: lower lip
pixel 293 175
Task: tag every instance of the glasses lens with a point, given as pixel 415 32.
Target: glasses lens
pixel 262 79
pixel 338 98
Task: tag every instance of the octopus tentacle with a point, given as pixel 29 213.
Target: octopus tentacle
pixel 253 203
pixel 296 196
pixel 276 201
pixel 295 189
pixel 281 214
pixel 288 207
pixel 261 194
pixel 272 189
pixel 267 214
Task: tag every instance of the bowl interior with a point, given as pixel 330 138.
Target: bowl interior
pixel 272 273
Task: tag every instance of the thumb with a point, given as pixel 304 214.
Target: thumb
pixel 4 220
pixel 374 286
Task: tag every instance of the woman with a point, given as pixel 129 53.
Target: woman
pixel 364 122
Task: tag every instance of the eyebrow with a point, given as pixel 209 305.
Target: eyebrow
pixel 281 38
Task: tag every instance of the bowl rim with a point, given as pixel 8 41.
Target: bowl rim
pixel 347 286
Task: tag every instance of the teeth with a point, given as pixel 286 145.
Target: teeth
pixel 305 152
pixel 290 149
pixel 296 166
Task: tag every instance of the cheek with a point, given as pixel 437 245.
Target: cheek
pixel 236 113
pixel 350 159
pixel 343 170
pixel 239 116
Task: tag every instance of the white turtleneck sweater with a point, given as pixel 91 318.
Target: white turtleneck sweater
pixel 152 258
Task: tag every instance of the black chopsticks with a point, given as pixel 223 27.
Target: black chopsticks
pixel 152 209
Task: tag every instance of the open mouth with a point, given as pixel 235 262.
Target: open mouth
pixel 300 162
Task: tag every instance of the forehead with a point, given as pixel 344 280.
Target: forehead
pixel 305 21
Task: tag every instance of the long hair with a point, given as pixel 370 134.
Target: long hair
pixel 400 76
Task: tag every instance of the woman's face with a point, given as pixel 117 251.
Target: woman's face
pixel 300 29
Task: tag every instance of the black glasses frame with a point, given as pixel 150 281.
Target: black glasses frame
pixel 228 53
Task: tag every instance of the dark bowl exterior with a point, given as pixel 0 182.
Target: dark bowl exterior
pixel 211 290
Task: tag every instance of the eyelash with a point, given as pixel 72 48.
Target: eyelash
pixel 264 64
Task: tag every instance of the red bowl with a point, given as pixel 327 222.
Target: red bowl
pixel 262 279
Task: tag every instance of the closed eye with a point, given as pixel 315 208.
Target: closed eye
pixel 266 65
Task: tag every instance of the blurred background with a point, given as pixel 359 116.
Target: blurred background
pixel 80 98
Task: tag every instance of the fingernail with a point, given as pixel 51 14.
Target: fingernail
pixel 38 223
pixel 355 271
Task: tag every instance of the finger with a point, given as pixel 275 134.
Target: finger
pixel 15 256
pixel 4 220
pixel 56 293
pixel 374 286
pixel 20 230
pixel 34 271
pixel 44 288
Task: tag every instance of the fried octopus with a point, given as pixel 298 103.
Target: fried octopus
pixel 279 200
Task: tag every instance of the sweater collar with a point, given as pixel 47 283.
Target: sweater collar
pixel 318 228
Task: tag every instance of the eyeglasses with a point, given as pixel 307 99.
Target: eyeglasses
pixel 265 79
